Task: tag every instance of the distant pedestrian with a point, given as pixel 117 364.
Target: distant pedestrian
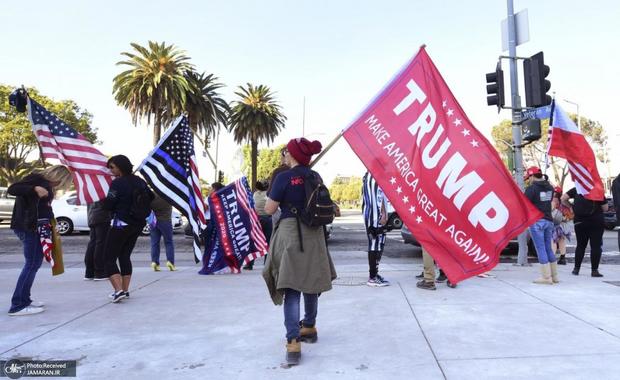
pixel 162 227
pixel 128 200
pixel 298 260
pixel 562 225
pixel 99 224
pixel 540 193
pixel 428 274
pixel 374 208
pixel 33 212
pixel 260 199
pixel 589 227
pixel 215 186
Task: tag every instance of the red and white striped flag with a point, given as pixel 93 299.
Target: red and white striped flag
pixel 567 141
pixel 60 141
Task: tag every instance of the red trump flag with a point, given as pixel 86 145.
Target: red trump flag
pixel 444 179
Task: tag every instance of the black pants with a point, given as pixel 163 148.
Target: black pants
pixel 118 246
pixel 95 254
pixel 592 231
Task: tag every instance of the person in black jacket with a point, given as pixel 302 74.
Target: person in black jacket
pixel 99 224
pixel 540 193
pixel 615 192
pixel 125 227
pixel 33 206
pixel 589 226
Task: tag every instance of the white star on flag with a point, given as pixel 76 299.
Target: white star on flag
pixel 399 190
pixel 465 132
pixel 418 219
pixel 457 122
pixel 392 180
pixel 411 209
pixel 406 199
pixel 450 112
pixel 474 143
pixel 444 104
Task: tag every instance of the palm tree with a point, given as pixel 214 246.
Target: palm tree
pixel 255 116
pixel 154 83
pixel 204 106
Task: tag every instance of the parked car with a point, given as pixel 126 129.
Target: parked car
pixel 69 215
pixel 72 217
pixel 6 204
pixel 177 223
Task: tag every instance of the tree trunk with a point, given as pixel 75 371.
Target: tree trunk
pixel 157 127
pixel 254 154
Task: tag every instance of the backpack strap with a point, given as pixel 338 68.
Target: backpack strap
pixel 301 240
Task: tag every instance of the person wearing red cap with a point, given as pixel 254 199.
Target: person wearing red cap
pixel 298 260
pixel 540 193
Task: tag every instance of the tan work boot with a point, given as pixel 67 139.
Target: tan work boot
pixel 554 272
pixel 293 352
pixel 308 334
pixel 545 271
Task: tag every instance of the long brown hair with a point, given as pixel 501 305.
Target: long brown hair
pixel 58 175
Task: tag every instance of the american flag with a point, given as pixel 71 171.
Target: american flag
pixel 172 172
pixel 60 141
pixel 44 231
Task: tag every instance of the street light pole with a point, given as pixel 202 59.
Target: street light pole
pixel 516 121
pixel 578 115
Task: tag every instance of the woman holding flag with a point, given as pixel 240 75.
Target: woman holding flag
pixel 298 260
pixel 32 216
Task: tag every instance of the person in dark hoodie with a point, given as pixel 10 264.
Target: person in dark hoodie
pixel 33 208
pixel 540 193
pixel 126 227
pixel 94 259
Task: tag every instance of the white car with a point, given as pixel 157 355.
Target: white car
pixel 73 217
pixel 69 215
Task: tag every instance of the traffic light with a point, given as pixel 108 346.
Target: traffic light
pixel 536 86
pixel 495 88
pixel 220 177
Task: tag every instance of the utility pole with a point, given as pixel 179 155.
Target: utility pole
pixel 516 121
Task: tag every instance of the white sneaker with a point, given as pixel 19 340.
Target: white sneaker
pixel 27 311
pixel 37 304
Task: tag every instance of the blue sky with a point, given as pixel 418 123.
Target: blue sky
pixel 336 54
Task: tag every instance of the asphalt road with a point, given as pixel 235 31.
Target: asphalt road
pixel 348 244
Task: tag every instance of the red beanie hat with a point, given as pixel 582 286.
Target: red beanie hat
pixel 302 149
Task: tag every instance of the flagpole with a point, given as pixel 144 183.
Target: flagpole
pixel 327 148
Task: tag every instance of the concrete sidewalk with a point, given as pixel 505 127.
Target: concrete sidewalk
pixel 179 325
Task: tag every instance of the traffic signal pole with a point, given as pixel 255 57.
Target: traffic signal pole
pixel 516 120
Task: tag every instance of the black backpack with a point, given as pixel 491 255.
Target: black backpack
pixel 141 198
pixel 319 208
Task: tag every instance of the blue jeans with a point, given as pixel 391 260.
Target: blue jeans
pixel 291 311
pixel 162 229
pixel 541 232
pixel 34 257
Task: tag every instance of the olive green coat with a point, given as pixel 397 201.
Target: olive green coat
pixel 311 271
